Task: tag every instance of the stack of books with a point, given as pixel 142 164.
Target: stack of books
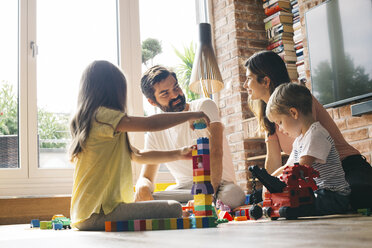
pixel 279 31
pixel 298 41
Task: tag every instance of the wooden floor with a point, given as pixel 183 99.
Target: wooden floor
pixel 328 231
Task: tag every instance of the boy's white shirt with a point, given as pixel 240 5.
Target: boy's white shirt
pixel 316 142
pixel 182 135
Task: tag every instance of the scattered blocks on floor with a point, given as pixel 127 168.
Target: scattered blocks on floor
pixel 160 224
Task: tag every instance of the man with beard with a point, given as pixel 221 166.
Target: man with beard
pixel 160 86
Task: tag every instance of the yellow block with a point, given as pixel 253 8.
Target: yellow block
pixel 173 223
pixel 201 199
pixel 186 223
pixel 202 178
pixel 148 224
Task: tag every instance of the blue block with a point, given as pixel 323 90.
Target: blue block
pixel 179 223
pixel 205 222
pixel 202 188
pixel 202 141
pixel 120 226
pixel 35 223
pixel 203 151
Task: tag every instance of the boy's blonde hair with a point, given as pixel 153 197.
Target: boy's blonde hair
pixel 289 95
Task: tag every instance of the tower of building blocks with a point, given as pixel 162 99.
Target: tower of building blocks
pixel 203 196
pixel 202 189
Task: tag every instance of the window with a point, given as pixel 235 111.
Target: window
pixel 44 48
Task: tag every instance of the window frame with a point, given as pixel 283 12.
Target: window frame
pixel 29 180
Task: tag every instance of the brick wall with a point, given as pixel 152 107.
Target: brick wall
pixel 239 32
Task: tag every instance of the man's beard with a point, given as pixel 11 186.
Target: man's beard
pixel 174 108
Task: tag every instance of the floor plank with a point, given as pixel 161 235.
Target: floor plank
pixel 328 231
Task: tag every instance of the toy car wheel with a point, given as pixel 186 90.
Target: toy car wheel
pixel 255 212
pixel 267 211
pixel 288 213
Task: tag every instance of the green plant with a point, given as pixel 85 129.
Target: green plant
pixel 52 129
pixel 184 69
pixel 150 48
pixel 8 109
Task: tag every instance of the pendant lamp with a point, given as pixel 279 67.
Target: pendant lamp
pixel 205 76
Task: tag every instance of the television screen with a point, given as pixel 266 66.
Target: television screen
pixel 339 36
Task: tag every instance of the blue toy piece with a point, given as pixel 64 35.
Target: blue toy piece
pixel 35 223
pixel 199 124
pixel 57 226
pixel 202 188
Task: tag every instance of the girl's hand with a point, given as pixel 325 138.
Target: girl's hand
pixel 185 153
pixel 199 115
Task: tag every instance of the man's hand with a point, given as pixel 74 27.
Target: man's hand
pixel 143 193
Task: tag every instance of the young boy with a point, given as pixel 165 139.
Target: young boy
pixel 290 108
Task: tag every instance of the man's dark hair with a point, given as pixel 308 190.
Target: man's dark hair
pixel 153 76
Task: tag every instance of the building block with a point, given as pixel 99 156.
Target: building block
pixel 202 188
pixel 35 223
pixel 136 224
pixel 108 226
pixel 202 146
pixel 149 224
pixel 200 172
pixel 204 213
pixel 180 223
pixel 240 218
pixel 155 224
pixel 202 199
pixel 173 223
pixel 203 208
pixel 201 161
pixel 186 223
pixel 225 215
pixel 46 225
pixel 161 224
pixel 201 178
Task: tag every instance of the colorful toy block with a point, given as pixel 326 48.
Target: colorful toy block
pixel 46 225
pixel 202 199
pixel 225 215
pixel 201 178
pixel 35 223
pixel 202 188
pixel 201 172
pixel 240 218
pixel 156 224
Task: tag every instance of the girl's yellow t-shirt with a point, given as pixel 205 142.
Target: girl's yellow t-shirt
pixel 103 172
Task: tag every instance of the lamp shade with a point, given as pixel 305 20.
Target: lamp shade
pixel 205 76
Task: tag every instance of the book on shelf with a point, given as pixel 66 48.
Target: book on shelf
pixel 271 2
pixel 300 68
pixel 300 52
pixel 296 26
pixel 297 38
pixel 281 36
pixel 280 28
pixel 286 44
pixel 282 13
pixel 301 62
pixel 279 19
pixel 299 58
pixel 298 45
pixel 278 6
pixel 296 32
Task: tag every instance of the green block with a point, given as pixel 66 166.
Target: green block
pixel 212 221
pixel 167 224
pixel 130 225
pixel 155 224
pixel 203 208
